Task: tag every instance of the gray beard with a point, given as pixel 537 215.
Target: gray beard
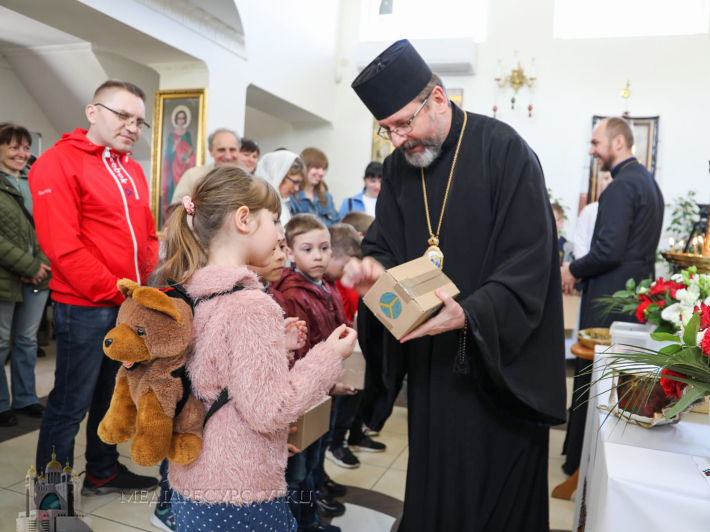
pixel 432 146
pixel 425 158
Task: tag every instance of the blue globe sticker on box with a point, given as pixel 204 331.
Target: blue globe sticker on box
pixel 391 305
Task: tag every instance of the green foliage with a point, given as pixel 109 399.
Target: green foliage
pixel 682 356
pixel 684 214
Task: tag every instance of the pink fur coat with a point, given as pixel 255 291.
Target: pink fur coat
pixel 238 342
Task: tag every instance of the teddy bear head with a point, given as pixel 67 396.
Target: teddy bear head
pixel 150 325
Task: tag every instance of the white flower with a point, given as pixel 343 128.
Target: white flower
pixel 643 290
pixel 676 278
pixel 688 296
pixel 686 313
pixel 700 336
pixel 672 313
pixel 707 300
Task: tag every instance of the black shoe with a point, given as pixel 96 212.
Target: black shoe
pixel 41 353
pixel 335 489
pixel 343 457
pixel 35 410
pixel 328 506
pixel 7 419
pixel 320 527
pixel 368 445
pixel 122 481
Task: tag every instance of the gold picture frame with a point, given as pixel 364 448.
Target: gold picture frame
pixel 179 138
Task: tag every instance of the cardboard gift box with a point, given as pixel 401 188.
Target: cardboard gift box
pixel 570 307
pixel 311 425
pixel 403 298
pixel 354 367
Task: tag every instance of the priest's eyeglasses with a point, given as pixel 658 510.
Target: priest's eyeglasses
pixel 404 128
pixel 128 119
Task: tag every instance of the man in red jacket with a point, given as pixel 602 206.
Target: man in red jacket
pixel 93 219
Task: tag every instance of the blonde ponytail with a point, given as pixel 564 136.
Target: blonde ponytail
pixel 220 193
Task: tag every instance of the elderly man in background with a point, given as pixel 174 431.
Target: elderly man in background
pixel 223 145
pixel 626 234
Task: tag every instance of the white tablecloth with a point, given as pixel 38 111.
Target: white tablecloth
pixel 637 479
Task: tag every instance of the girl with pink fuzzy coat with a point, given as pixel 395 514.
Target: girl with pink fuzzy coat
pixel 239 343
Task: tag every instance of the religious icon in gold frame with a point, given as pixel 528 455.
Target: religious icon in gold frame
pixel 179 137
pixel 645 149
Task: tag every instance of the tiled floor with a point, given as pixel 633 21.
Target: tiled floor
pixel 382 473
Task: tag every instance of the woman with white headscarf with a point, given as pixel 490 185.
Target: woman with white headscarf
pixel 285 171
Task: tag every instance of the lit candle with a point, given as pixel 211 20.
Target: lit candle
pixel 695 245
pixel 671 243
pixel 701 241
pixel 681 244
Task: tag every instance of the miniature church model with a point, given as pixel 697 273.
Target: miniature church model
pixel 52 501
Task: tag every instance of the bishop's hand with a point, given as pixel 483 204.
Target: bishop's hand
pixel 362 274
pixel 450 318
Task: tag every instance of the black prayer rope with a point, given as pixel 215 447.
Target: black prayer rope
pixel 461 365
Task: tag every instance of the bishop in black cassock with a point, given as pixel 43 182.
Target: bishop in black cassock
pixel 478 423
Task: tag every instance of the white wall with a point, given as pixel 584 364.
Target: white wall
pixel 577 79
pixel 16 105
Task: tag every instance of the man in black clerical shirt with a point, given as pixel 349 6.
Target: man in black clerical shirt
pixel 624 244
pixel 486 376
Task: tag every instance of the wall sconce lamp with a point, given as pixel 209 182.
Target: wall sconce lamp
pixel 517 80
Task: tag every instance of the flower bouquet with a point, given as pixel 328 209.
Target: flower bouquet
pixel 667 304
pixel 656 387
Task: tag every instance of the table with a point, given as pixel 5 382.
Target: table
pixel 633 478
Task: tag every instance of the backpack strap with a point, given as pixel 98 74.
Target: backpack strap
pixel 219 403
pixel 235 288
pixel 27 214
pixel 177 291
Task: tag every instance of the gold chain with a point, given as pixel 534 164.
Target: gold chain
pixel 448 185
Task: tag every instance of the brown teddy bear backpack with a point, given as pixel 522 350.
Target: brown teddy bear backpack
pixel 152 401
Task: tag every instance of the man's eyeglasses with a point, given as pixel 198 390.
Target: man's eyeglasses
pixel 296 183
pixel 128 119
pixel 404 128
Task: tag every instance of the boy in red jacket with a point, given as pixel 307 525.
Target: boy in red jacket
pixel 94 223
pixel 312 297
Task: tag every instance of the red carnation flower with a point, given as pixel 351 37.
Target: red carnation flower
pixel 705 344
pixel 704 315
pixel 659 287
pixel 641 309
pixel 672 387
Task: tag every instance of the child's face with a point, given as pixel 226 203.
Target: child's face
pixel 273 271
pixel 264 239
pixel 337 265
pixel 559 221
pixel 311 252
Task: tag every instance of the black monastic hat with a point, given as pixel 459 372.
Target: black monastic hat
pixel 392 80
